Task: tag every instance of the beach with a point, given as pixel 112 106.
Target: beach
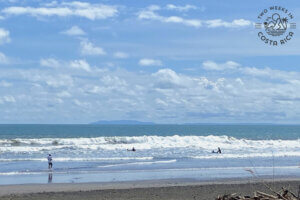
pixel 158 189
pixel 170 161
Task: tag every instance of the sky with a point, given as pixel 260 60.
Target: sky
pixel 198 61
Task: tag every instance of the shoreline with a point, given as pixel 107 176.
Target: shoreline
pixel 165 189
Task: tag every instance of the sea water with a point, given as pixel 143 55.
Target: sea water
pixel 98 153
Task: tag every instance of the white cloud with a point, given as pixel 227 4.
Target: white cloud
pixel 121 55
pixel 153 7
pixel 74 31
pixel 150 62
pixel 88 48
pixel 55 81
pixel 245 94
pixel 160 102
pixel 5 84
pixel 63 94
pixel 150 14
pixel 3 59
pixel 210 65
pixel 76 8
pixel 7 99
pixel 266 72
pixel 51 4
pixel 80 64
pixel 269 73
pixel 81 103
pixel 220 23
pixel 168 78
pixel 4 36
pixel 181 8
pixel 50 62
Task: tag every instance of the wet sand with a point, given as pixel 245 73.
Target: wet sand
pixel 157 190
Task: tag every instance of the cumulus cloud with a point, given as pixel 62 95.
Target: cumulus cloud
pixel 50 62
pixel 121 55
pixel 3 59
pixel 88 48
pixel 150 14
pixel 220 23
pixel 81 103
pixel 250 71
pixel 181 8
pixel 210 65
pixel 41 79
pixel 65 9
pixel 80 64
pixel 74 31
pixel 4 36
pixel 150 62
pixel 63 94
pixel 7 99
pixel 247 94
pixel 160 102
pixel 167 78
pixel 5 84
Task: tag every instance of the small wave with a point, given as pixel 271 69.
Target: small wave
pixel 140 163
pixel 60 159
pixel 246 169
pixel 19 173
pixel 252 155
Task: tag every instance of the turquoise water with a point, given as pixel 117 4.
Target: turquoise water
pixel 83 152
pixel 255 132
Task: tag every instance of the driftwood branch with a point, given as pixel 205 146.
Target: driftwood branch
pixel 283 195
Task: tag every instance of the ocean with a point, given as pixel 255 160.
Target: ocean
pixel 98 153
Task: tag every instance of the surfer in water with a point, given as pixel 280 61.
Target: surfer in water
pixel 49 161
pixel 218 151
pixel 133 149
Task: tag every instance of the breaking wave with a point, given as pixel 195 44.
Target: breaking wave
pixel 148 147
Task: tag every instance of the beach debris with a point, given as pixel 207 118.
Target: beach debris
pixel 284 194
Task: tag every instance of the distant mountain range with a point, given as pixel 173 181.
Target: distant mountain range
pixel 135 122
pixel 123 122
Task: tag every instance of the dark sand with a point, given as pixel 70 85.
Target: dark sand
pixel 156 190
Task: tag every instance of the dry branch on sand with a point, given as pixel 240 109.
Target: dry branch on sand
pixel 283 195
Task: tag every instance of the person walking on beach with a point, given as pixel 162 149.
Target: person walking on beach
pixel 49 161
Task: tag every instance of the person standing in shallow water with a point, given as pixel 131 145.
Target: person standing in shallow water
pixel 49 161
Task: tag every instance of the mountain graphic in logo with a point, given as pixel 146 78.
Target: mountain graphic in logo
pixel 275 25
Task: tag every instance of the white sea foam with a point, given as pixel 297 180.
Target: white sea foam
pixel 61 159
pixel 245 169
pixel 147 142
pixel 141 163
pixel 18 173
pixel 250 155
pixel 147 146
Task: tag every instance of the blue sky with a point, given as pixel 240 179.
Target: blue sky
pixel 160 61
